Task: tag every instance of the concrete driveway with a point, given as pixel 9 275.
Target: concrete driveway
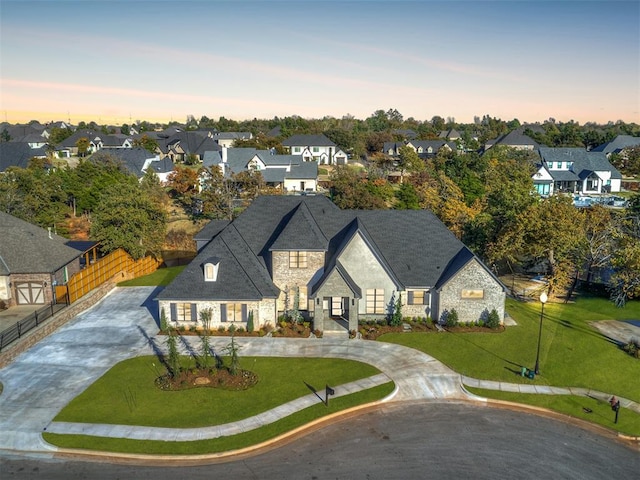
pixel 42 380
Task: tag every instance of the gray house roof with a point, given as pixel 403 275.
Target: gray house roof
pixel 617 144
pixel 414 246
pixel 27 248
pixel 584 163
pixel 308 141
pixel 18 154
pixel 515 138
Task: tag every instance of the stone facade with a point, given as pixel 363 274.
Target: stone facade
pixel 263 312
pixel 473 293
pixel 285 277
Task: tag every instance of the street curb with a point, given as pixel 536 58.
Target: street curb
pixel 631 441
pixel 219 457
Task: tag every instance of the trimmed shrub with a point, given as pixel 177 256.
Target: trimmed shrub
pixel 493 320
pixel 451 319
pixel 250 322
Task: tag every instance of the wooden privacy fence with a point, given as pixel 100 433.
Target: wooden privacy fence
pixel 97 273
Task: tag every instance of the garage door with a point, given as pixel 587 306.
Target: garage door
pixel 29 293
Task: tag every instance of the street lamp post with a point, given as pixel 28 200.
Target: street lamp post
pixel 543 300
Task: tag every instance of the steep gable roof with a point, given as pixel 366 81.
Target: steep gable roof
pixel 241 276
pixel 301 232
pixel 27 248
pixel 515 138
pixel 617 144
pixel 18 154
pixel 413 246
pixel 584 162
pixel 308 141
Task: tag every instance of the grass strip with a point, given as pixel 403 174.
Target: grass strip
pixel 585 408
pixel 160 278
pixel 222 444
pixel 572 352
pixel 127 394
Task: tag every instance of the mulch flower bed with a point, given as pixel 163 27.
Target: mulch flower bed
pixel 212 378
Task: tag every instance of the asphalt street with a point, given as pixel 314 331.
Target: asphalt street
pixel 431 440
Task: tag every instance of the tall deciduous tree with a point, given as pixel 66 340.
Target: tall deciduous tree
pixel 130 220
pixel 549 232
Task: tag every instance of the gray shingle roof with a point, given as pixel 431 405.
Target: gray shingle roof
pixel 27 248
pixel 308 141
pixel 414 245
pixel 617 144
pixel 18 154
pixel 583 162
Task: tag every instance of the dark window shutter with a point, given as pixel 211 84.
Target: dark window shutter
pixel 410 294
pixel 194 312
pixel 174 312
pixel 244 312
pixel 223 312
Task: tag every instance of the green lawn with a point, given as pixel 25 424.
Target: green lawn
pixel 584 408
pixel 127 395
pixel 572 353
pixel 234 442
pixel 161 277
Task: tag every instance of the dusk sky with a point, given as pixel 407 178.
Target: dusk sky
pixel 117 62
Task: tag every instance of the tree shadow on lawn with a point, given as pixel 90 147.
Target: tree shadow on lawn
pixel 579 328
pixel 466 339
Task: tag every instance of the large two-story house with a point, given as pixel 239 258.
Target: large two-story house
pixel 317 148
pixel 575 170
pixel 337 266
pixel 289 173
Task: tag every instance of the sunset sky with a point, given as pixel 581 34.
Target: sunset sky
pixel 117 62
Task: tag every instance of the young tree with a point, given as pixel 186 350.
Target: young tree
pixel 173 360
pixel 205 318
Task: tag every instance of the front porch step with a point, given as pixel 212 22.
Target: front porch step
pixel 339 334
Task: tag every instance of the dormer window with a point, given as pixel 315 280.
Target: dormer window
pixel 211 270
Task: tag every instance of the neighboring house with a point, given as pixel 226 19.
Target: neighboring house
pixel 35 140
pixel 32 262
pixel 451 134
pixel 617 144
pixel 514 139
pixel 407 133
pixel 574 170
pixel 392 148
pixel 430 148
pixel 181 145
pixel 18 154
pixel 226 139
pixel 290 173
pixel 338 266
pixel 137 160
pixel 317 148
pixel 69 148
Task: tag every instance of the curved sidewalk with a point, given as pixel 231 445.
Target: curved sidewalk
pixel 547 390
pixel 205 433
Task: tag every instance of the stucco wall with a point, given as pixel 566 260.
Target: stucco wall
pixel 365 270
pixel 472 277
